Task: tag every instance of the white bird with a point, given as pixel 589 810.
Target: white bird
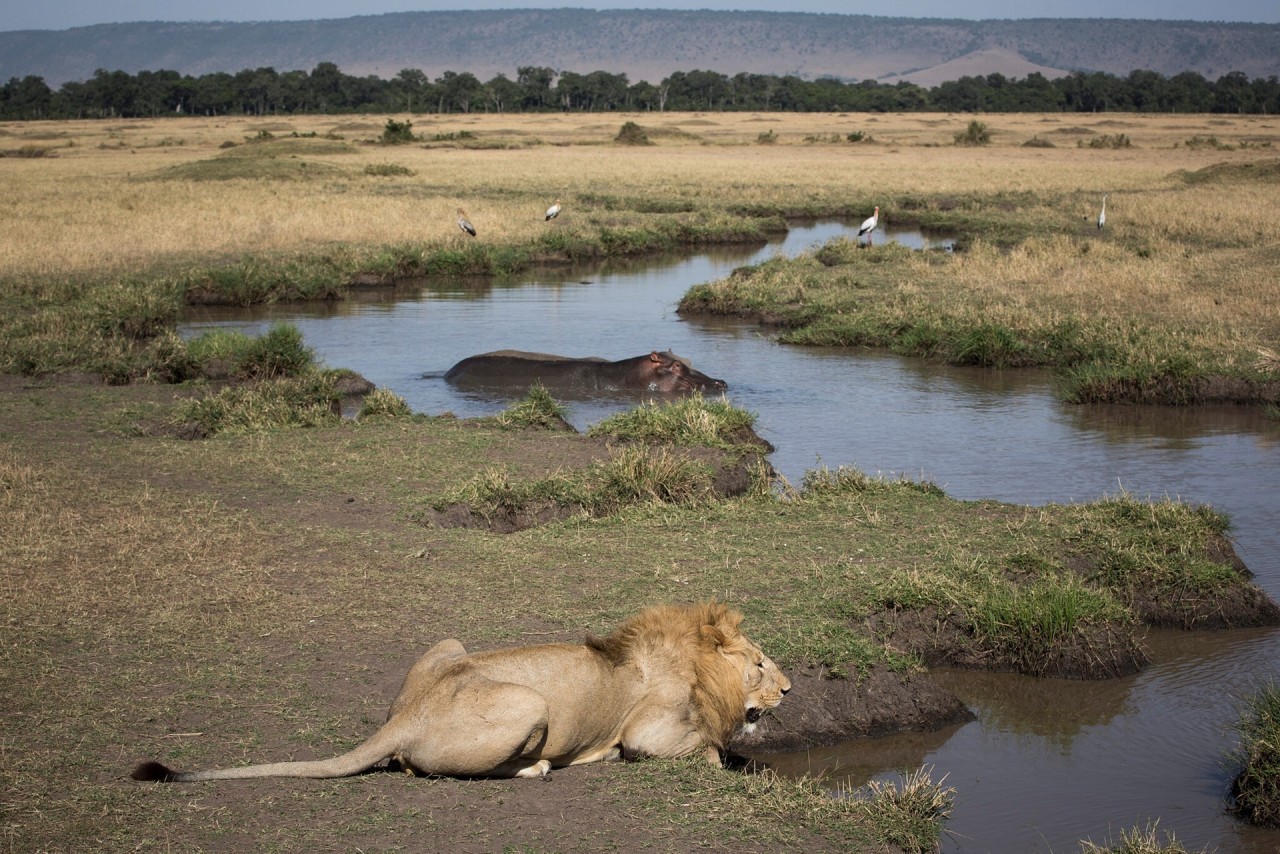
pixel 465 224
pixel 1102 217
pixel 553 211
pixel 869 225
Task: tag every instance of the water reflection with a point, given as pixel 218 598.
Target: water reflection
pixel 853 763
pixel 1055 710
pixel 1047 763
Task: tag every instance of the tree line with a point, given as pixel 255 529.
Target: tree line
pixel 325 89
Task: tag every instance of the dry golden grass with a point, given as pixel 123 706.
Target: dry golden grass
pixel 129 195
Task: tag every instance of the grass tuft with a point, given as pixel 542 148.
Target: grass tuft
pixel 383 403
pixel 823 481
pixel 1256 787
pixel 691 420
pixel 536 409
pixel 309 400
pixel 1146 840
pixel 279 352
pixel 633 475
pixel 909 814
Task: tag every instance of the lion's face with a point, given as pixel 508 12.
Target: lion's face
pixel 762 682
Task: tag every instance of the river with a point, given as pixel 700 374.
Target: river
pixel 1047 763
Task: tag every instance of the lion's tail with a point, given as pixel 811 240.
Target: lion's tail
pixel 385 742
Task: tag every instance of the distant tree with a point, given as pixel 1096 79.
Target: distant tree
pixel 459 91
pixel 214 94
pixel 325 86
pixel 409 90
pixel 966 95
pixel 1189 92
pixel 535 84
pixel 1266 95
pixel 752 91
pixel 606 91
pixel 28 98
pixel 503 94
pixel 644 96
pixel 258 90
pixel 1233 94
pixel 572 91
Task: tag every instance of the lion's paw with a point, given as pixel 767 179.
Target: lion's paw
pixel 541 768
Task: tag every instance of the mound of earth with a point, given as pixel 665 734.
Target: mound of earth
pixel 822 709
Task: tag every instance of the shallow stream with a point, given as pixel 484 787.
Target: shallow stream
pixel 1048 763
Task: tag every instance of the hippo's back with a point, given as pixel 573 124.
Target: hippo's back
pixel 509 366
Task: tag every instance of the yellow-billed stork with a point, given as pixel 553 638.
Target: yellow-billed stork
pixel 869 225
pixel 465 224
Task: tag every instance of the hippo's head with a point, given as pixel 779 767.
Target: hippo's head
pixel 667 372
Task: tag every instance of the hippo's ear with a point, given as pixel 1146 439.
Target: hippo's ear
pixel 655 356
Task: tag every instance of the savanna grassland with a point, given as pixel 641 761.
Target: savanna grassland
pixel 204 563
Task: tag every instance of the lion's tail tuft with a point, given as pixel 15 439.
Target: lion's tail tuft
pixel 154 772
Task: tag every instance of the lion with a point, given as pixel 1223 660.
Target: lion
pixel 669 682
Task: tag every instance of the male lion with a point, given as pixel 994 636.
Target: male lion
pixel 670 681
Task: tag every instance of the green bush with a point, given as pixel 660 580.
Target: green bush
pixel 397 133
pixel 976 134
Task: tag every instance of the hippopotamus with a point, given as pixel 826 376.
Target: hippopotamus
pixel 662 372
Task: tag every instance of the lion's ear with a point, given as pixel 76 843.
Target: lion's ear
pixel 713 636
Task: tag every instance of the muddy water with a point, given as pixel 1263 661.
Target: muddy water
pixel 1047 763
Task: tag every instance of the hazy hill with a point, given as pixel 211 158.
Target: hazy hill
pixel 650 45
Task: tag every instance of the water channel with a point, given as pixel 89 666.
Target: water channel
pixel 1047 763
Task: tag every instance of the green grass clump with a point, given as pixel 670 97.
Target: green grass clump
pixel 977 133
pixel 397 133
pixel 691 420
pixel 536 409
pixel 1158 557
pixel 103 328
pixel 309 400
pixel 1119 140
pixel 254 279
pixel 851 481
pixel 634 475
pixel 909 814
pixel 279 352
pixel 383 403
pixel 1139 841
pixel 1256 787
pixel 1030 623
pixel 388 170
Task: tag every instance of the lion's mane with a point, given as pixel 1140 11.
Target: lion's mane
pixel 685 641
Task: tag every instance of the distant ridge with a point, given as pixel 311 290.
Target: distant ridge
pixel 978 63
pixel 650 45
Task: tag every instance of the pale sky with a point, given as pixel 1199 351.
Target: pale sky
pixel 64 14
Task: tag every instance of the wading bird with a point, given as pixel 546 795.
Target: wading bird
pixel 869 225
pixel 1102 217
pixel 465 224
pixel 553 211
